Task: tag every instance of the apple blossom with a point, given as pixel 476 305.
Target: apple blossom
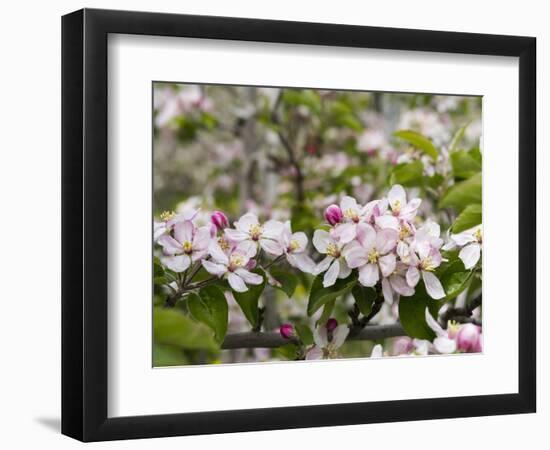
pixel 327 343
pixel 293 246
pixel 232 265
pixel 470 241
pixel 167 221
pixel 469 338
pixel 219 220
pixel 188 245
pixel 443 344
pixel 333 215
pixel 372 253
pixel 249 229
pixel 400 208
pixel 353 214
pixel 334 265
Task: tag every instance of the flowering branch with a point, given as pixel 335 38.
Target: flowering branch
pixel 462 315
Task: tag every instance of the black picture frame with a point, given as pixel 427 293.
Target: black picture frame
pixel 84 224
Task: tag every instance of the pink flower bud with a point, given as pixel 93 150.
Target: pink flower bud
pixel 286 330
pixel 333 214
pixel 331 325
pixel 219 219
pixel 402 345
pixel 468 338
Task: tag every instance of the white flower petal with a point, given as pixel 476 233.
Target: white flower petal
pixel 249 277
pixel 246 222
pixel 236 283
pixel 320 336
pixel 433 285
pixel 413 276
pixel 331 274
pixel 217 253
pixel 387 291
pixel 444 345
pixel 345 270
pixel 314 353
pixel 178 263
pixel 433 324
pixel 386 240
pixel 387 264
pixel 273 229
pixel 368 275
pixel 339 335
pixel 323 265
pixel 387 221
pixel 344 232
pixel 470 255
pixel 376 351
pixel 273 248
pixel 214 268
pixel 321 239
pixel 397 194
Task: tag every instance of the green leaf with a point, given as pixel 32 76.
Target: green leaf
pixel 412 313
pixel 475 153
pixel 173 327
pixel 457 138
pixel 303 218
pixel 248 301
pixel 210 308
pixel 418 141
pixel 289 352
pixel 327 311
pixel 463 194
pixel 407 174
pixel 364 297
pixel 304 333
pixel 287 280
pixel 319 295
pixel 167 355
pixel 464 165
pixel 470 217
pixel 454 277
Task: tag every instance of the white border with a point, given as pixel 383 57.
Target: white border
pixel 135 388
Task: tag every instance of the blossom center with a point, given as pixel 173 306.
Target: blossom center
pixel 167 215
pixel 373 256
pixel 294 245
pixel 187 246
pixel 396 207
pixel 427 264
pixel 224 245
pixel 255 231
pixel 478 236
pixel 351 214
pixel 235 262
pixel 404 232
pixel 332 250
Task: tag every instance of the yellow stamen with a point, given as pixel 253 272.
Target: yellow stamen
pixel 167 215
pixel 478 235
pixel 236 261
pixel 224 245
pixel 373 256
pixel 404 232
pixel 396 206
pixel 187 246
pixel 427 264
pixel 255 231
pixel 332 250
pixel 294 245
pixel 351 214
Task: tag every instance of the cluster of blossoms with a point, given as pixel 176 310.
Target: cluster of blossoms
pixel 225 252
pixel 381 241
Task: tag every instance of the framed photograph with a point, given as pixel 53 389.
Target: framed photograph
pixel 273 224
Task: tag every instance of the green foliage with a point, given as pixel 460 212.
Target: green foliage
pixel 289 352
pixel 453 276
pixel 173 327
pixel 464 164
pixel 364 298
pixel 463 194
pixel 248 301
pixel 328 308
pixel 168 355
pixel 319 295
pixel 457 138
pixel 287 280
pixel 470 217
pixel 210 308
pixel 303 219
pixel 407 174
pixel 412 312
pixel 305 97
pixel 418 141
pixel 304 333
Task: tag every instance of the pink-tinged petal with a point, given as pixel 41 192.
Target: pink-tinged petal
pixel 387 221
pixel 272 229
pixel 321 240
pixel 387 291
pixel 302 262
pixel 214 268
pixel 236 283
pixel 433 285
pixel 349 203
pixel 436 257
pixel 468 338
pixel 246 222
pixel 470 255
pixel 198 255
pixel 386 240
pixel 368 275
pixel 339 335
pixel 331 274
pixel 183 231
pixel 323 265
pixel 463 238
pixel 170 245
pixel 381 207
pixel 356 257
pixel 423 248
pixel 444 345
pixel 301 240
pixel 449 245
pixel 408 212
pixel 366 235
pixel 286 235
pixel 271 247
pixel 345 270
pixel 218 254
pixel 432 323
pixel 248 249
pixel 178 263
pixel 399 285
pixel 235 235
pixel 314 353
pixel 397 195
pixel 403 252
pixel 344 232
pixel 387 264
pixel 413 276
pixel 202 238
pixel 249 277
pixel 159 228
pixel 320 336
pixel 377 351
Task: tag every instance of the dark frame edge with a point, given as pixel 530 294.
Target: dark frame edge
pixel 72 252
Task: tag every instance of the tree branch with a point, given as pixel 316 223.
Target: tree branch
pixel 462 315
pixel 273 339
